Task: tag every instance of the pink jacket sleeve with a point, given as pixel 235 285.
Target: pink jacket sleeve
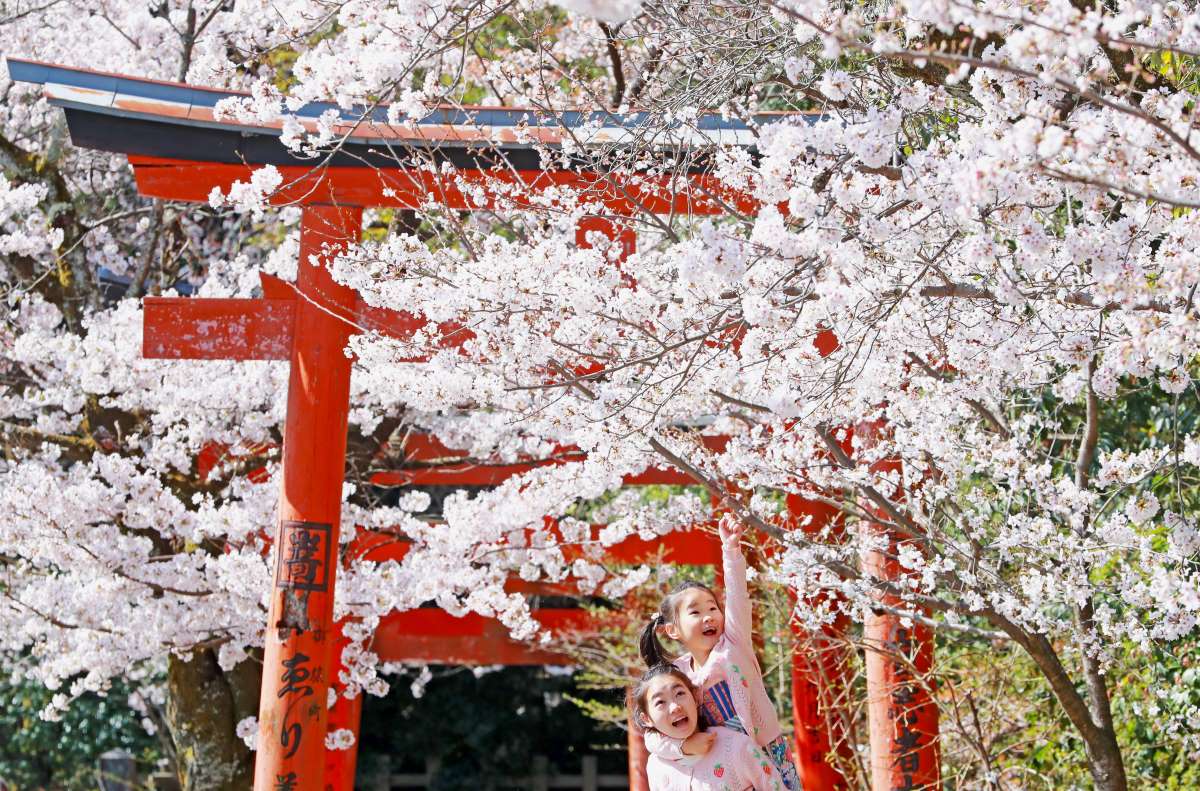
pixel 667 749
pixel 739 624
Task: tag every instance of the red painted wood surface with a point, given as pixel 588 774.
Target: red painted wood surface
pixel 362 317
pixel 426 448
pixel 182 328
pixel 432 635
pixel 292 708
pixel 340 765
pixel 820 677
pixel 214 454
pixel 188 328
pixel 405 326
pixel 414 188
pixel 469 474
pixel 698 546
pixel 902 715
pixel 345 714
pixel 638 756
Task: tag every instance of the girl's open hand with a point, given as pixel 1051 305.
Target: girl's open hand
pixel 699 743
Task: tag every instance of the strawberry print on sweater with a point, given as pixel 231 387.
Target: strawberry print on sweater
pixel 735 763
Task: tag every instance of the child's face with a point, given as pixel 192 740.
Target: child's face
pixel 671 707
pixel 699 622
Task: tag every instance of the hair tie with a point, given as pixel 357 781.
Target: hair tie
pixel 656 618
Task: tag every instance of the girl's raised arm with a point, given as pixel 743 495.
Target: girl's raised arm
pixel 739 624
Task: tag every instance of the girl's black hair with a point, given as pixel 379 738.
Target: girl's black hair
pixel 636 698
pixel 649 647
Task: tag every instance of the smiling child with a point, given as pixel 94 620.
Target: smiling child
pixel 664 703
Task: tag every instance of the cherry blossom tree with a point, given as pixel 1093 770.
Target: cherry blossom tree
pixel 989 206
pixel 991 214
pixel 122 555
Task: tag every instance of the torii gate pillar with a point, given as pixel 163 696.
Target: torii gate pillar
pixel 901 711
pixel 292 709
pixel 308 324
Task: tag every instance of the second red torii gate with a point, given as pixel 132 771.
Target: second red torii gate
pixel 179 151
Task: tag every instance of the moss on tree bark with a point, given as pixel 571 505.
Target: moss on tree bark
pixel 204 706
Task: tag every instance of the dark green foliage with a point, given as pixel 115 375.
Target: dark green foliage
pixel 478 729
pixel 35 753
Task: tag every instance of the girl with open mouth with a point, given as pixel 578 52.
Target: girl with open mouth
pixel 663 702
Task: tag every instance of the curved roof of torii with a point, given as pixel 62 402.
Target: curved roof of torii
pixel 150 118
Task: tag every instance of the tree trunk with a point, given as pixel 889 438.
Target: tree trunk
pixel 1105 762
pixel 204 706
pixel 1104 754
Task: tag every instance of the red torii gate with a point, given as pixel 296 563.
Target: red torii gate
pixel 180 151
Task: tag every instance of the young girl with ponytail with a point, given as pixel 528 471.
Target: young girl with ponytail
pixel 719 661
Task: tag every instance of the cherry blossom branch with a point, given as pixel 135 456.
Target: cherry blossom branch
pixel 618 71
pixel 1093 671
pixel 925 620
pixel 725 500
pixel 906 525
pixel 720 493
pixel 649 358
pixel 1118 50
pixel 974 403
pixel 50 619
pixel 1091 432
pixel 740 402
pixel 1080 298
pixel 1068 87
pixel 29 437
pixel 156 588
pixel 1092 181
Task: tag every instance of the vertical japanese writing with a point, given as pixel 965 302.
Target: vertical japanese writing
pixel 302 566
pixel 295 675
pixel 303 561
pixel 903 712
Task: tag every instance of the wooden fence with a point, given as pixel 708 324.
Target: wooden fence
pixel 540 778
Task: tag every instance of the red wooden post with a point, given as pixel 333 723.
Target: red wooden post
pixel 345 714
pixel 292 708
pixel 411 187
pixel 638 756
pixel 903 716
pixel 901 712
pixel 819 679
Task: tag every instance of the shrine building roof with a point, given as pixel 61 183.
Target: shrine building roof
pixel 150 118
